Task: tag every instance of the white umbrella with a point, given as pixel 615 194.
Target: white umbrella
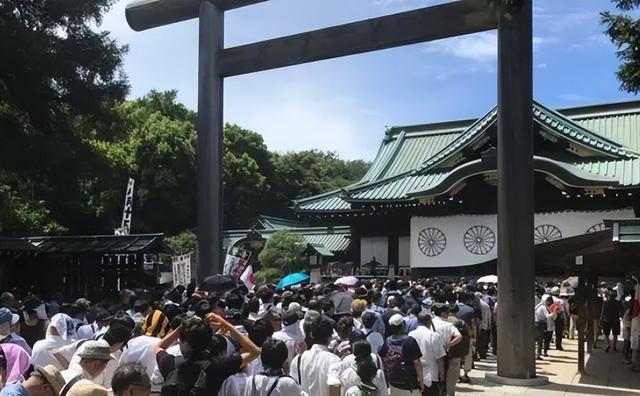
pixel 488 279
pixel 347 281
pixel 572 280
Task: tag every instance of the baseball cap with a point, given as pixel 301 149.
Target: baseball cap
pixel 6 316
pixel 52 375
pixel 396 320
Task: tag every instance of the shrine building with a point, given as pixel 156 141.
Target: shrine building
pixel 428 200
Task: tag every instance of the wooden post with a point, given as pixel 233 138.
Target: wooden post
pixel 210 141
pixel 516 338
pixel 580 322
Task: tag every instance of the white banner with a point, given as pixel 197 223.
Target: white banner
pixel 455 241
pixel 181 269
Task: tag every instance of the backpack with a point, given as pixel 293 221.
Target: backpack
pixel 180 382
pixel 461 349
pixel 396 369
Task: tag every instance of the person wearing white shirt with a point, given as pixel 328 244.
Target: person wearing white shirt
pixel 59 333
pixel 272 381
pixel 363 376
pixel 317 370
pixel 450 337
pixel 94 357
pixel 542 319
pixel 292 336
pixel 375 339
pixel 433 354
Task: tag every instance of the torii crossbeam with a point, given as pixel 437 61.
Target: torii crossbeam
pixel 516 359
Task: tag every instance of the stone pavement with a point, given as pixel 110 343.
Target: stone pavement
pixel 607 375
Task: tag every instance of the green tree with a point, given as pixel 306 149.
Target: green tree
pixel 155 145
pixel 624 31
pixel 59 77
pixel 247 165
pixel 181 243
pixel 306 173
pixel 282 254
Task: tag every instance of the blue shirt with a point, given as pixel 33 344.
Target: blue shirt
pixel 378 325
pixel 19 341
pixel 14 390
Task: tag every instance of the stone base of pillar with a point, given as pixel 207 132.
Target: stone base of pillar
pixel 537 381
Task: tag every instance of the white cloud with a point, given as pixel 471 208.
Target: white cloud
pixel 481 47
pixel 541 65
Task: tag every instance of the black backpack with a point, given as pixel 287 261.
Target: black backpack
pixel 396 369
pixel 188 379
pixel 461 349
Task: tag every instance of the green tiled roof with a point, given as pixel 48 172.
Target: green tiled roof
pixel 337 242
pixel 324 203
pixel 265 222
pixel 410 157
pixel 627 172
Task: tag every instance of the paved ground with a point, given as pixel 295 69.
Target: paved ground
pixel 607 375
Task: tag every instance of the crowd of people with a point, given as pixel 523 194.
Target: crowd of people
pixel 378 337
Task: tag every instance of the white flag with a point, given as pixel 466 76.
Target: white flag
pixel 247 277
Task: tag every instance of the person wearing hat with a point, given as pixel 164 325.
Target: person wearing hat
pixel 94 357
pixel 401 359
pixel 116 336
pixel 9 323
pixel 44 381
pixel 292 336
pixel 85 388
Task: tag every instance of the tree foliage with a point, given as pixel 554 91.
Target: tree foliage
pixel 624 31
pixel 69 140
pixel 281 255
pixel 59 76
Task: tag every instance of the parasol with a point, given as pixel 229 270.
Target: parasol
pixel 488 279
pixel 347 281
pixel 292 279
pixel 218 283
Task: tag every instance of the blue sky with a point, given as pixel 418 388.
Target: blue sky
pixel 344 104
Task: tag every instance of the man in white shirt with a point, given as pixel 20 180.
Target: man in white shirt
pixel 93 361
pixel 542 318
pixel 292 336
pixel 318 370
pixel 433 354
pixel 450 337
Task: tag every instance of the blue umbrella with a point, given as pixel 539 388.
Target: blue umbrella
pixel 292 279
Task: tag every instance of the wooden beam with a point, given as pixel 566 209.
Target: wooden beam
pixel 148 14
pixel 427 24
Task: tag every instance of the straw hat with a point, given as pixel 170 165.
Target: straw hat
pixel 52 375
pixel 85 387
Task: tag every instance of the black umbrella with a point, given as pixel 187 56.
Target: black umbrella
pixel 218 283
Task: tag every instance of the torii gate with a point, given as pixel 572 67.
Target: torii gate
pixel 516 360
